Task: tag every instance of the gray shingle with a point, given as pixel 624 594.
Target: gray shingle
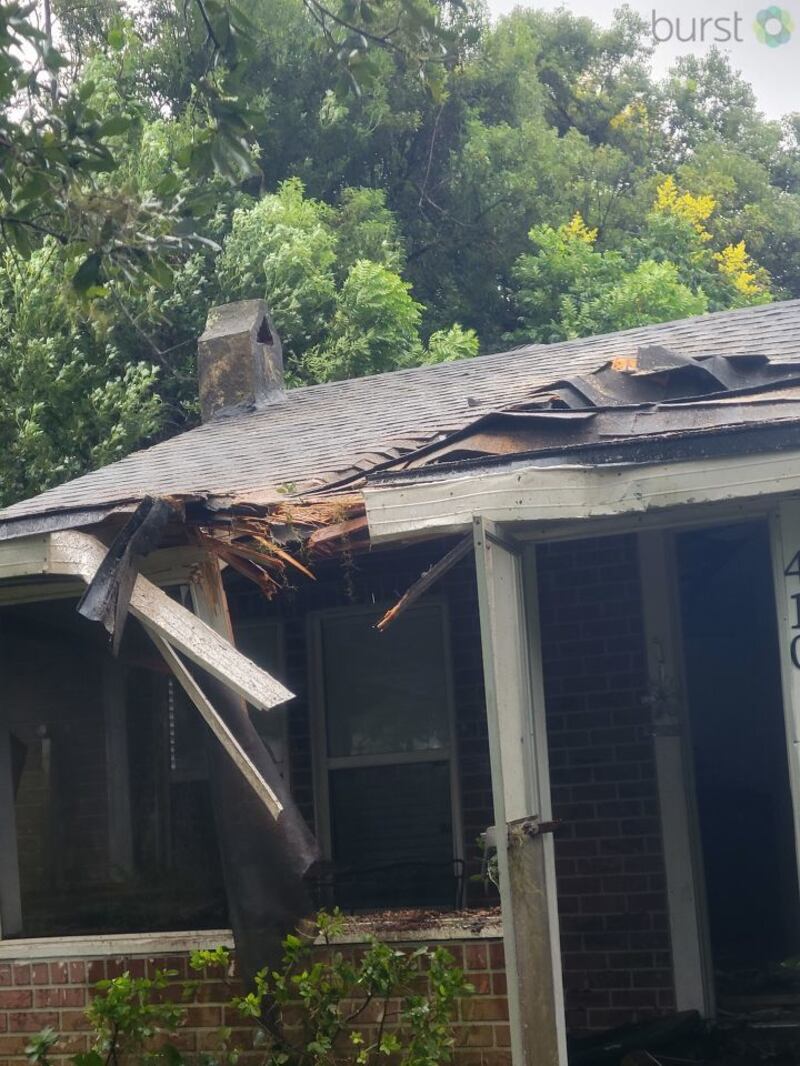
pixel 323 432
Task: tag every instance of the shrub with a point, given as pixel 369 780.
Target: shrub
pixel 319 1008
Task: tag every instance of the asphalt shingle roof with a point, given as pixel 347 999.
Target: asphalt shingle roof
pixel 323 432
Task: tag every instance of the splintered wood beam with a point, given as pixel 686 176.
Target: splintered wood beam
pixel 217 725
pixel 82 554
pixel 426 581
pixel 265 860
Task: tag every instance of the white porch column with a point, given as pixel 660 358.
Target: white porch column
pixel 785 530
pixel 509 617
pixel 692 972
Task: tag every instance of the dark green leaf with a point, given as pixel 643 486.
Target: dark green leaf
pixel 116 125
pixel 88 273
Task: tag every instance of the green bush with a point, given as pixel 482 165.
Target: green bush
pixel 321 1007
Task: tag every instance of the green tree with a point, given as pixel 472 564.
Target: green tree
pixel 70 399
pixel 569 287
pixel 330 276
pixel 371 219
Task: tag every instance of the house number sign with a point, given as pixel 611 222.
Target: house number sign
pixel 793 570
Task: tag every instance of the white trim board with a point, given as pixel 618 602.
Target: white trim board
pixel 112 945
pixel 40 555
pixel 437 505
pixel 150 945
pixel 785 543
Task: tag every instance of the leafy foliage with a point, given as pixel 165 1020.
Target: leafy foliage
pixel 69 397
pixel 398 178
pixel 316 1009
pixel 569 288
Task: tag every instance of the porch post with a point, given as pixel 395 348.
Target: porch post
pixel 785 538
pixel 692 973
pixel 521 791
pixel 10 903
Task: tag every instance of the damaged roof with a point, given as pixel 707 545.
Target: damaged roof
pixel 324 434
pixel 620 410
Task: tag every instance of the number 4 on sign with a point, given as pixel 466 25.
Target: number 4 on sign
pixel 793 569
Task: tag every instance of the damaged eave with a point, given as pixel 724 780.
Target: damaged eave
pixel 526 491
pixel 78 556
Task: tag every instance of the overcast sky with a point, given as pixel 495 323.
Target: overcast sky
pixel 773 72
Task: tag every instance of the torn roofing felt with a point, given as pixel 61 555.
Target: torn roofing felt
pixel 326 434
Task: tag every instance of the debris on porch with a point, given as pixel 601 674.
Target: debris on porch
pixel 413 924
pixel 757 1024
pixel 768 1037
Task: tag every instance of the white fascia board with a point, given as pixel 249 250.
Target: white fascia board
pixel 441 504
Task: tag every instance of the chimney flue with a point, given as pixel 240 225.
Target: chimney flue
pixel 239 360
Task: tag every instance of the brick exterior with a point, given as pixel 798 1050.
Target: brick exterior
pixel 610 868
pixel 42 994
pixel 612 899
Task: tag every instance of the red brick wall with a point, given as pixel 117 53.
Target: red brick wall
pixel 54 994
pixel 610 867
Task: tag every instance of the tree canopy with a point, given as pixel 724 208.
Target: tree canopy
pixel 402 180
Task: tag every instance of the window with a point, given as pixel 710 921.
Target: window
pixel 384 752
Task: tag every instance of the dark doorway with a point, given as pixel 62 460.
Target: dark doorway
pixel 741 771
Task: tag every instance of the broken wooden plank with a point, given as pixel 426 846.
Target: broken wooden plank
pixel 426 580
pixel 107 597
pixel 346 530
pixel 216 724
pixel 82 554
